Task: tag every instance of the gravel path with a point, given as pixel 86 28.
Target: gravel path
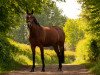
pixel 51 70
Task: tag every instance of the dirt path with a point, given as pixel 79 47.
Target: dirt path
pixel 52 70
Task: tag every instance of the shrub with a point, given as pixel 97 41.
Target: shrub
pixel 86 50
pixel 95 68
pixel 6 54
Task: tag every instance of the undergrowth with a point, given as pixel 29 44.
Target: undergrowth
pixel 94 67
pixel 88 53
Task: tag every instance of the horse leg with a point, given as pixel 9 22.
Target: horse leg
pixel 58 55
pixel 33 54
pixel 62 53
pixel 42 58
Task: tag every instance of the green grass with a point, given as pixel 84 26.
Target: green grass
pixel 94 67
pixel 14 54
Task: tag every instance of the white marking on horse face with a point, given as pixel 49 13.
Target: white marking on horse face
pixel 28 18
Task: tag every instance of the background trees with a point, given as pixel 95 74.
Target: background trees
pixel 91 13
pixel 11 11
pixel 73 33
pixel 91 42
pixel 51 16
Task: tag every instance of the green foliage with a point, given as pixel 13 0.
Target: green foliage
pixel 91 9
pixel 20 34
pixel 82 50
pixel 6 59
pixel 69 56
pixel 11 11
pixel 95 68
pixel 72 32
pixel 51 16
pixel 87 50
pixel 13 54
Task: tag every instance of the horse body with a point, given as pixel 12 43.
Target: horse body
pixel 51 36
pixel 47 36
pixel 43 37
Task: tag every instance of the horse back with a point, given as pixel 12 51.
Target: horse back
pixel 53 35
pixel 61 34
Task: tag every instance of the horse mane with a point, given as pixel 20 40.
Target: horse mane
pixel 36 22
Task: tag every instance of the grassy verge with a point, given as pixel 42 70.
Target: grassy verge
pixel 94 67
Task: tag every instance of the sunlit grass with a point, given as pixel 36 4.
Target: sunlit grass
pixel 50 55
pixel 23 60
pixel 23 47
pixel 69 53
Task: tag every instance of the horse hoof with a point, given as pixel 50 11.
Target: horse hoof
pixel 59 69
pixel 32 70
pixel 42 70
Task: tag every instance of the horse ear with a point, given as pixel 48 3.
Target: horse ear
pixel 32 12
pixel 27 11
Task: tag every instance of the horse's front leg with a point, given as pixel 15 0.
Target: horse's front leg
pixel 33 54
pixel 42 58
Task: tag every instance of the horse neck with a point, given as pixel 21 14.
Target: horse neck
pixel 35 30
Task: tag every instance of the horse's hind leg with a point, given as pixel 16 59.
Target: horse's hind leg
pixel 61 47
pixel 58 55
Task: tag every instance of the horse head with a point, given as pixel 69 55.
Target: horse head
pixel 30 19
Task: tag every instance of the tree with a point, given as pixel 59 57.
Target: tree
pixel 11 11
pixel 91 15
pixel 51 16
pixel 73 33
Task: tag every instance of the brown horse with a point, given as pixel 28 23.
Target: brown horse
pixel 43 37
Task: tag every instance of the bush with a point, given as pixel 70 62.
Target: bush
pixel 86 50
pixel 95 68
pixel 13 54
pixel 6 54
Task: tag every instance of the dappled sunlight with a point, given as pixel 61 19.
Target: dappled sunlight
pixel 23 59
pixel 19 45
pixel 24 54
